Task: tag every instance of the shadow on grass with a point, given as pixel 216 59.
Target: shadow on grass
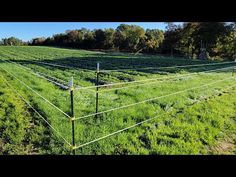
pixel 136 64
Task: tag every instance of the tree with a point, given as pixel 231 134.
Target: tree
pixel 99 39
pixel 74 38
pixel 48 41
pixel 187 39
pixel 129 37
pixel 109 38
pixel 89 40
pixel 12 41
pixel 218 39
pixel 208 33
pixel 195 38
pixel 60 39
pixel 120 36
pixel 38 41
pixel 172 38
pixel 225 47
pixel 153 39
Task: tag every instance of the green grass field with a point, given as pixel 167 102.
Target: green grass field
pixel 194 106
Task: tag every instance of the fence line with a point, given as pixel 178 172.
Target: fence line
pixel 42 75
pixel 175 77
pixel 149 83
pixel 123 83
pixel 36 93
pixel 58 133
pixel 225 89
pixel 162 78
pixel 122 107
pixel 52 77
pixel 111 134
pixel 68 67
pixel 39 74
pixel 148 100
pixel 124 129
pixel 166 67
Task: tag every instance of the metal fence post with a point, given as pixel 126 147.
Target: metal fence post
pixel 97 83
pixel 72 119
pixel 233 68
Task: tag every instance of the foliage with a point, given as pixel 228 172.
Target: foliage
pixel 154 38
pixel 12 41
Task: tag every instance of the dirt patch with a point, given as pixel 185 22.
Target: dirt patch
pixel 223 147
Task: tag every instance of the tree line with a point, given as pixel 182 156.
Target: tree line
pixel 12 41
pixel 210 40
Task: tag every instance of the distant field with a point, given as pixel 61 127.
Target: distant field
pixel 194 106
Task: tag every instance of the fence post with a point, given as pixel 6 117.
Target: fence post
pixel 233 68
pixel 72 119
pixel 97 83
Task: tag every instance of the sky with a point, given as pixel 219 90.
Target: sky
pixel 28 30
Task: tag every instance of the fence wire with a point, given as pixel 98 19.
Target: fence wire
pixel 46 100
pixel 137 124
pixel 44 119
pixel 124 83
pixel 164 79
pixel 148 100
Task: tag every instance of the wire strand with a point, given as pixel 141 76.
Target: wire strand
pixel 114 133
pixel 123 83
pixel 68 67
pixel 148 100
pixel 157 81
pixel 221 90
pixel 166 67
pixel 127 128
pixel 41 75
pixel 36 93
pixel 37 112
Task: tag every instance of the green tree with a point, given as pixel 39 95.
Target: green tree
pixel 172 38
pixel 129 37
pixel 208 33
pixel 74 38
pixel 187 39
pixel 225 47
pixel 193 37
pixel 109 38
pixel 154 38
pixel 13 41
pixel 88 39
pixel 99 39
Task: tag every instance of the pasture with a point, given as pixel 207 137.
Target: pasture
pixel 146 104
